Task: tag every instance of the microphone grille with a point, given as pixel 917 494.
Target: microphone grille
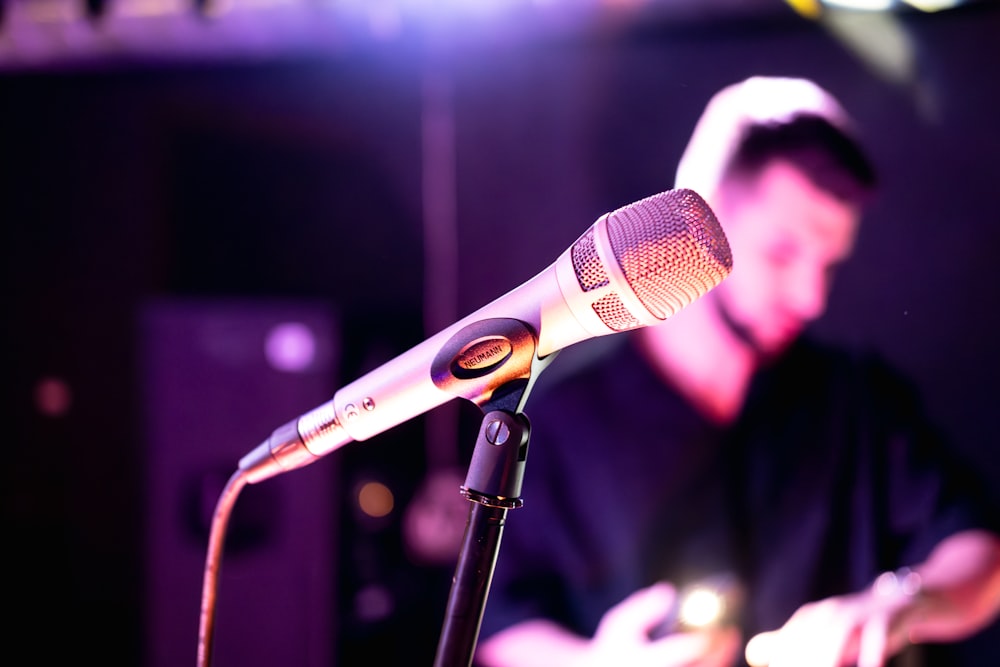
pixel 671 249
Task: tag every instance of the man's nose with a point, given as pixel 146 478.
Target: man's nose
pixel 807 293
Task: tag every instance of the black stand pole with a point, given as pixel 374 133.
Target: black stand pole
pixel 493 485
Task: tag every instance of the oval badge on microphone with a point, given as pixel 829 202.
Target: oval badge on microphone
pixel 483 355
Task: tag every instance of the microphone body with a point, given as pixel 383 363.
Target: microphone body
pixel 633 267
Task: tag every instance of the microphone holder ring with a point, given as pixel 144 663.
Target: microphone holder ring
pixel 491 501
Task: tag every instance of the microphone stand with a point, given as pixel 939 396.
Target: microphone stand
pixel 493 482
pixel 493 485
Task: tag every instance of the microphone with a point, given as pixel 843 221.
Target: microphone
pixel 635 266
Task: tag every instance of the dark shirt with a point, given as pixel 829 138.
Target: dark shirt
pixel 830 475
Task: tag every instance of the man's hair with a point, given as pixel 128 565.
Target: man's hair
pixel 829 157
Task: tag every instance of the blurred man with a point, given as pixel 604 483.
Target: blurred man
pixel 723 443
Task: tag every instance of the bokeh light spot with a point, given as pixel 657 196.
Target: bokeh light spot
pixel 53 397
pixel 291 347
pixel 375 499
pixel 701 607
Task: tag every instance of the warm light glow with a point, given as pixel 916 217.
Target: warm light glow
pixel 701 607
pixel 810 9
pixel 375 499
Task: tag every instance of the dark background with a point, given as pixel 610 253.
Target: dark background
pixel 397 175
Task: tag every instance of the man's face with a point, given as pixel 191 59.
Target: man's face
pixel 787 238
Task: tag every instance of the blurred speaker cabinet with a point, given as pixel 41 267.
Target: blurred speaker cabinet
pixel 218 377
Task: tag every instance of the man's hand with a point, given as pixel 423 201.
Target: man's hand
pixel 622 637
pixel 948 597
pixel 863 628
